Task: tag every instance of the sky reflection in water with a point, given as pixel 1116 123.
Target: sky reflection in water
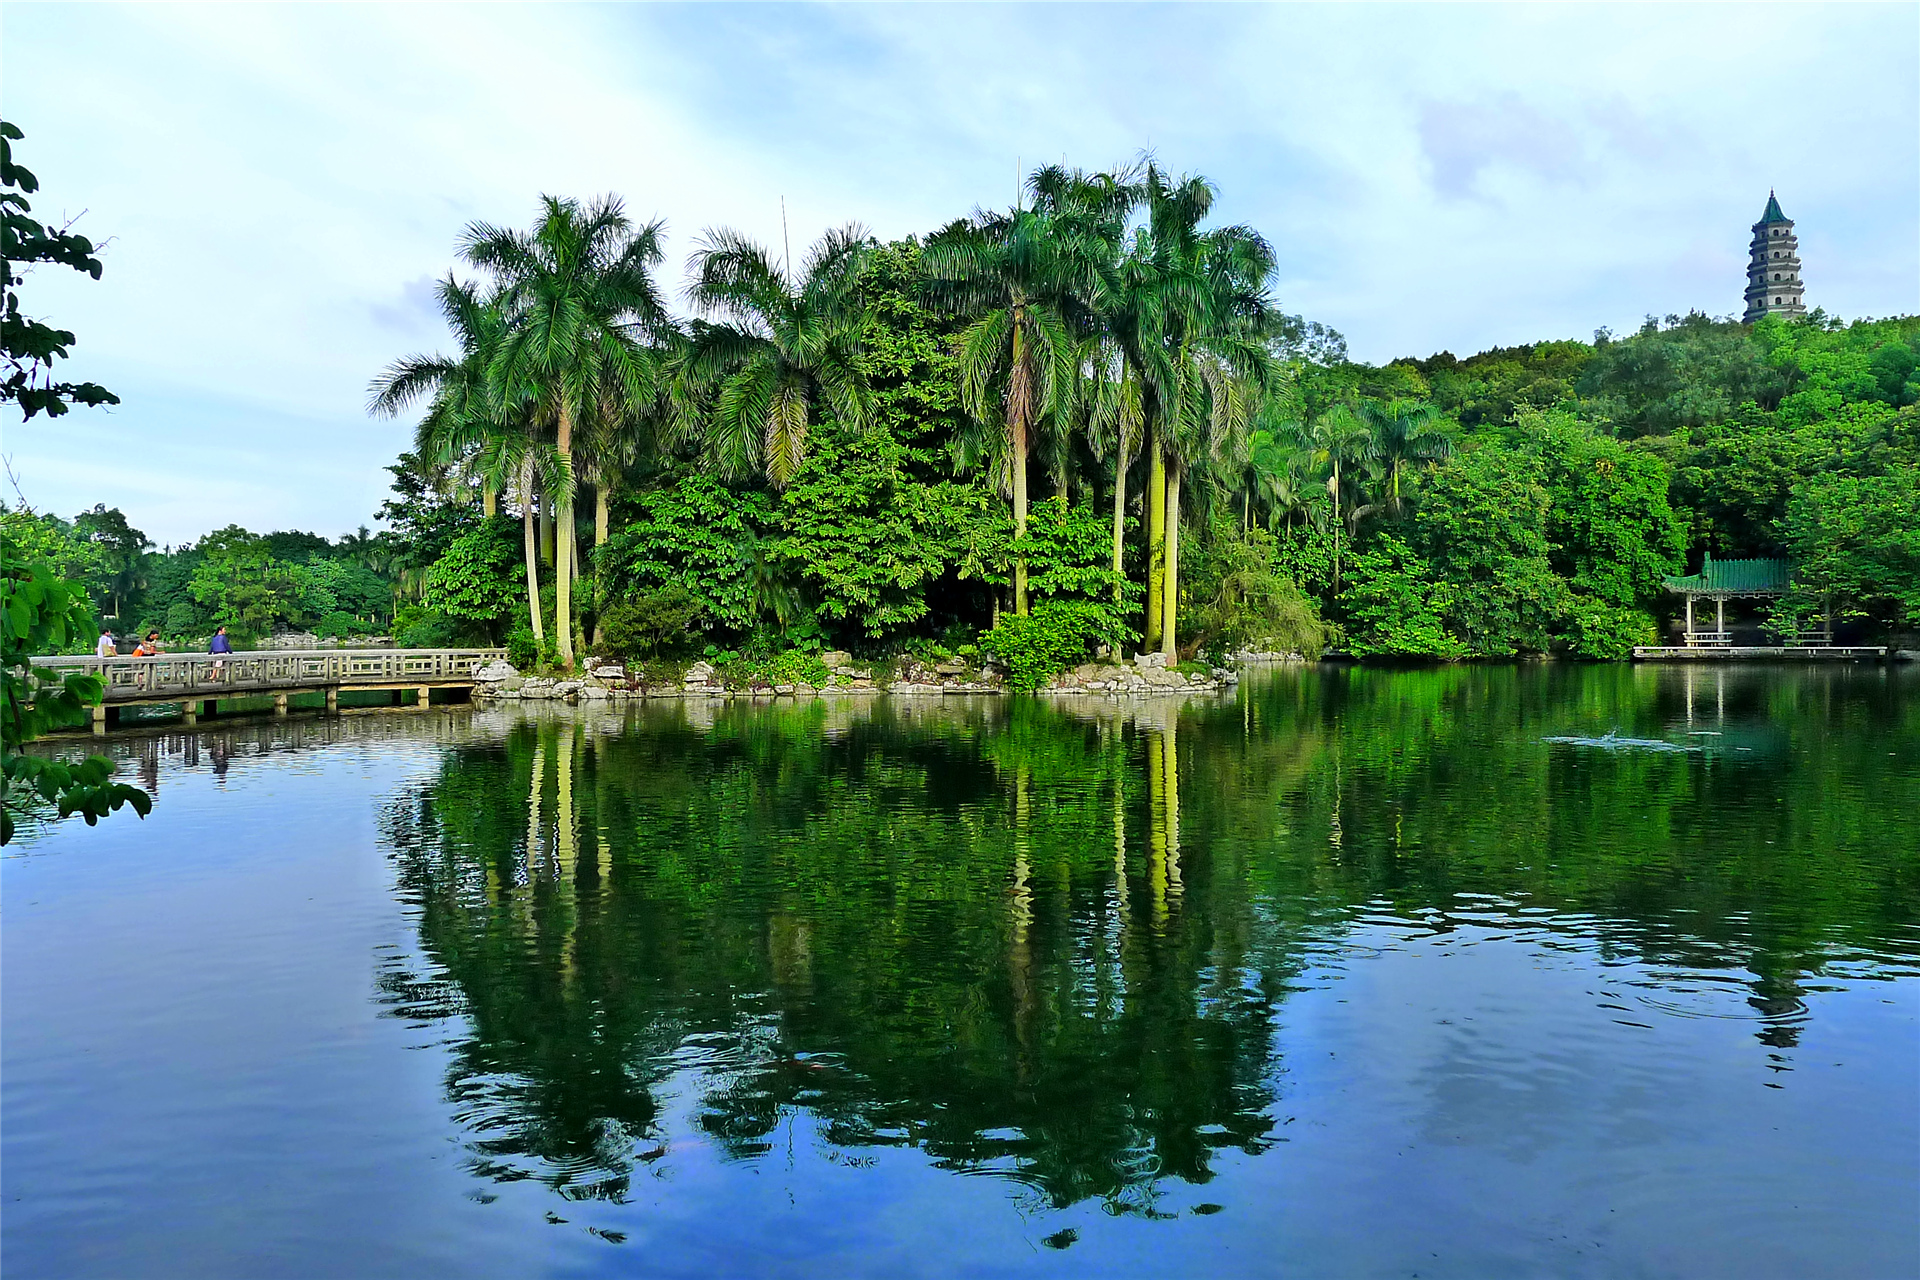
pixel 1353 974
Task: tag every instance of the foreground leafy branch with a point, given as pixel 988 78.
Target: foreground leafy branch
pixel 40 613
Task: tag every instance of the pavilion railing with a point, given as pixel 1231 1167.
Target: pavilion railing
pixel 215 675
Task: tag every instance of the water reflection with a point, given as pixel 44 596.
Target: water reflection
pixel 1055 943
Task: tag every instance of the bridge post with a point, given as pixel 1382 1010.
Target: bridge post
pixel 190 711
pixel 424 692
pixel 333 701
pixel 99 717
pixel 279 704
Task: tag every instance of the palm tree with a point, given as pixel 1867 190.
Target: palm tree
pixel 1340 440
pixel 778 348
pixel 1025 279
pixel 473 422
pixel 580 303
pixel 1405 433
pixel 1195 308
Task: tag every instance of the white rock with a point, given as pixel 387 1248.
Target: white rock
pixel 498 669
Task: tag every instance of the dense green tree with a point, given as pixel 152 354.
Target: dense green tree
pixel 478 579
pixel 123 553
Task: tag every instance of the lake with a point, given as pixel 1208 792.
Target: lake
pixel 1349 973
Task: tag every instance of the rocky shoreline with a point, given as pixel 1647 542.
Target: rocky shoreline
pixel 1146 675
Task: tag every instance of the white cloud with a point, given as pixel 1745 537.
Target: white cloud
pixel 282 185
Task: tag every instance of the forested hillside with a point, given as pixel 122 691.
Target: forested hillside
pixel 1084 422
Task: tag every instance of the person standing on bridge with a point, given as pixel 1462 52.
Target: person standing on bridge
pixel 106 648
pixel 217 646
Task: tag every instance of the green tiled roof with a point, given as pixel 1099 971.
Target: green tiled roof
pixel 1773 213
pixel 1736 575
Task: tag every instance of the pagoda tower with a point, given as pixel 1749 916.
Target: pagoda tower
pixel 1773 267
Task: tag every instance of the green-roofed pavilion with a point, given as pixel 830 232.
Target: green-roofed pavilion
pixel 1773 213
pixel 1724 580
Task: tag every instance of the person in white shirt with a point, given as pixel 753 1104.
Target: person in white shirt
pixel 106 647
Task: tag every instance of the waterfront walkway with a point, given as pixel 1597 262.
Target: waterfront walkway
pixel 1765 653
pixel 193 679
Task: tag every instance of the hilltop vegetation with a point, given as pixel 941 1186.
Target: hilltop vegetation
pixel 1083 423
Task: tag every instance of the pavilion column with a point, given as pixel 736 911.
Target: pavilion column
pixel 1689 617
pixel 1720 618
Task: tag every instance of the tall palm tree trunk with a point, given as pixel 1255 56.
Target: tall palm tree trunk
pixel 564 555
pixel 1119 514
pixel 546 530
pixel 1336 526
pixel 601 521
pixel 1170 589
pixel 1018 427
pixel 489 501
pixel 531 539
pixel 1156 536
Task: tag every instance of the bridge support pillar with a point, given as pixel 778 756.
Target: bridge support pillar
pixel 100 717
pixel 190 711
pixel 279 704
pixel 333 701
pixel 425 695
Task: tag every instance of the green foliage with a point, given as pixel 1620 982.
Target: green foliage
pixel 1692 370
pixel 648 623
pixel 29 346
pixel 1486 389
pixel 182 619
pixel 39 614
pixel 422 523
pixel 480 577
pixel 338 625
pixel 1068 552
pixel 790 666
pixel 1604 631
pixel 1242 597
pixel 1057 636
pixel 1857 539
pixel 1395 607
pixel 238 583
pixel 699 535
pixel 1482 529
pixel 523 651
pixel 418 627
pixel 867 538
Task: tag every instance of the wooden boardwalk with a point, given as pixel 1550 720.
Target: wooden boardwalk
pixel 1763 653
pixel 191 679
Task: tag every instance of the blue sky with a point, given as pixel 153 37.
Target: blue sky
pixel 278 186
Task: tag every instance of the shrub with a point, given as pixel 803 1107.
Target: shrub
pixel 418 628
pixel 1241 596
pixel 338 624
pixel 522 650
pixel 1057 636
pixel 1606 631
pixel 647 623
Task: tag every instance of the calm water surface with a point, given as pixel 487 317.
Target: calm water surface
pixel 1349 975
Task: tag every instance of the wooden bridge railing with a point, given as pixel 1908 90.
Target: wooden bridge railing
pixel 233 675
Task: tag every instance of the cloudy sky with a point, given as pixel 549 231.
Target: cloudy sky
pixel 279 186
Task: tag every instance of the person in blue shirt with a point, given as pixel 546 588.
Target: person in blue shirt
pixel 219 644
